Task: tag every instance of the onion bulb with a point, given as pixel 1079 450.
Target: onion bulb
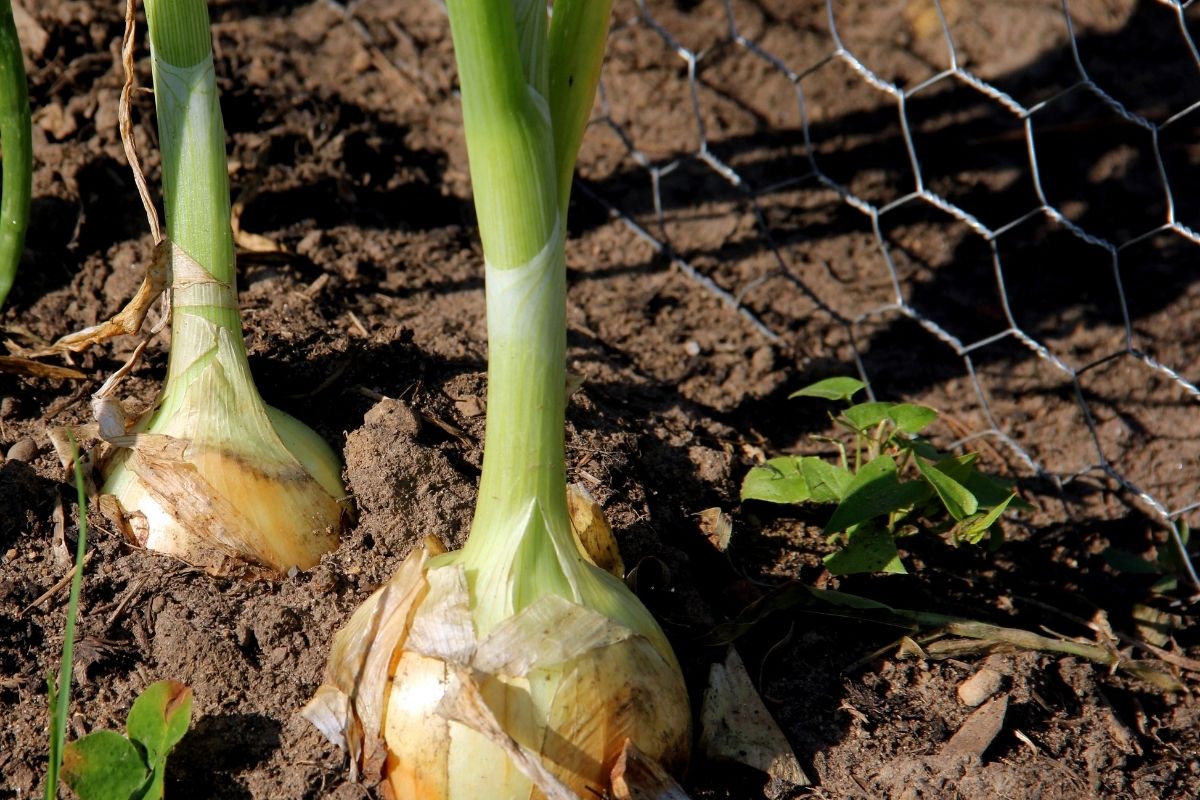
pixel 541 705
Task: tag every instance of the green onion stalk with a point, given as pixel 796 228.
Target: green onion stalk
pixel 211 473
pixel 514 667
pixel 17 140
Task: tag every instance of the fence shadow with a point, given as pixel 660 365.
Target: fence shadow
pixel 1102 172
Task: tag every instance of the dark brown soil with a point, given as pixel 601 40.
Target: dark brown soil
pixel 345 147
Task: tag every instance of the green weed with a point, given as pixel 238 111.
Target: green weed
pixel 887 482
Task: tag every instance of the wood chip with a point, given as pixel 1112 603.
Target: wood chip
pixel 979 687
pixel 979 730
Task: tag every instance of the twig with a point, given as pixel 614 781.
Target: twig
pixel 58 586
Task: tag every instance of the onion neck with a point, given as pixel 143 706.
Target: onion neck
pixel 204 302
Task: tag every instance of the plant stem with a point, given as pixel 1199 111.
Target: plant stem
pixel 509 140
pixel 195 186
pixel 510 146
pixel 577 39
pixel 521 164
pixel 16 139
pixel 62 697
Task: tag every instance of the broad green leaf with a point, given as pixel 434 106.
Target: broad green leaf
pixel 959 468
pixel 831 389
pixel 827 483
pixel 1125 561
pixel 777 481
pixel 158 720
pixel 875 490
pixel 912 418
pixel 867 415
pixel 159 717
pixel 869 549
pixel 973 530
pixel 921 447
pixel 103 765
pixel 958 501
pixel 991 492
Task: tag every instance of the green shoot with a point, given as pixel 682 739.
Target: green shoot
pixel 898 483
pixel 17 140
pixel 60 697
pixel 104 765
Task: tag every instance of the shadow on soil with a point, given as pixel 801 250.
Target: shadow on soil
pixel 1098 168
pixel 216 748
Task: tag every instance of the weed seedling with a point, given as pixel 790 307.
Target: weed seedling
pixel 888 482
pixel 104 765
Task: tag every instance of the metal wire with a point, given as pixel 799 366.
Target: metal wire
pixel 1028 117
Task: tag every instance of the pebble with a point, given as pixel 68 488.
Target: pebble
pixel 979 687
pixel 24 450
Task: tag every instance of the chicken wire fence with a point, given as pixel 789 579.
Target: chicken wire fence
pixel 1018 181
pixel 1111 244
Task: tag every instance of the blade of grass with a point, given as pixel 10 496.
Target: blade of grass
pixel 60 698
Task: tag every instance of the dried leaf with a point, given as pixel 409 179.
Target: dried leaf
pixel 247 241
pixel 359 665
pixel 330 712
pixel 736 726
pixel 592 531
pixel 442 627
pixel 36 369
pixel 128 320
pixel 979 730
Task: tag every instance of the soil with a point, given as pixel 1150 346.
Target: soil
pixel 346 149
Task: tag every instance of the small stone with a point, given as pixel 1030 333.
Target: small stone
pixel 394 415
pixel 979 687
pixel 691 347
pixel 24 450
pixel 310 242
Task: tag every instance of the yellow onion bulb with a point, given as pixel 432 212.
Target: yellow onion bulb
pixel 541 706
pixel 218 479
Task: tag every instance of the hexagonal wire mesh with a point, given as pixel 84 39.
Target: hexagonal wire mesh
pixel 1013 179
pixel 983 93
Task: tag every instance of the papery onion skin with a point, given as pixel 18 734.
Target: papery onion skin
pixel 626 690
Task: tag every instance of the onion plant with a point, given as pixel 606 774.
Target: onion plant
pixel 212 474
pixel 16 139
pixel 515 667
